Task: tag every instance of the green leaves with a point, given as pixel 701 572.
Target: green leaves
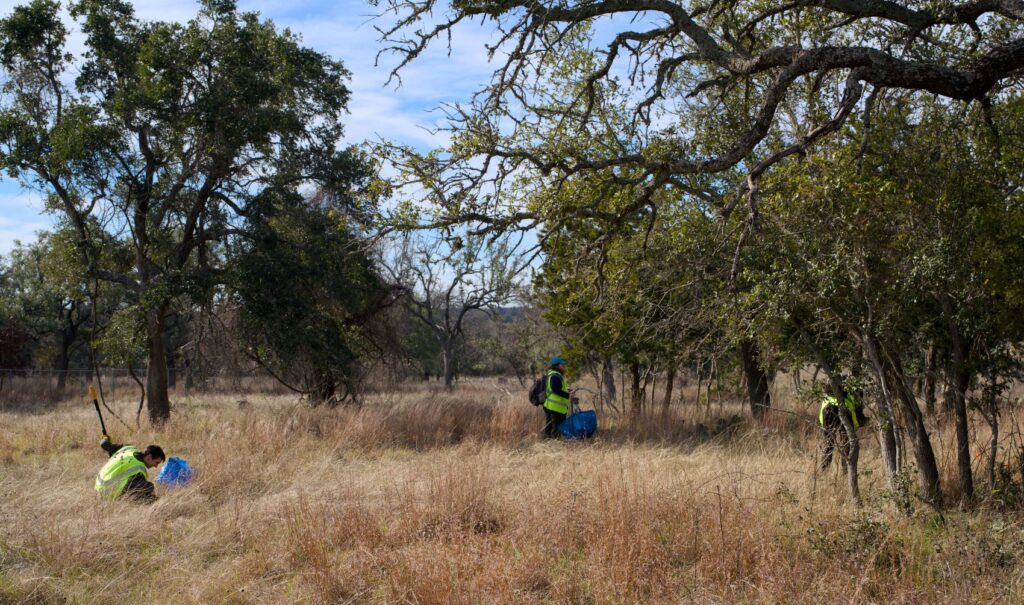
pixel 32 38
pixel 172 141
pixel 309 296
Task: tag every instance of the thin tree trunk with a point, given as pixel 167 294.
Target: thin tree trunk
pixel 670 379
pixel 63 362
pixel 993 448
pixel 992 418
pixel 852 455
pixel 68 334
pixel 142 395
pixel 448 361
pixel 700 382
pixel 924 455
pixel 652 377
pixel 608 378
pixel 635 394
pixel 622 380
pixel 156 372
pixel 929 379
pixel 756 378
pixel 888 433
pixel 958 380
pixel 718 385
pixel 650 380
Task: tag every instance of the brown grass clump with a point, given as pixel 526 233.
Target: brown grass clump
pixel 427 496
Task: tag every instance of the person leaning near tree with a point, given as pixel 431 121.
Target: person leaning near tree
pixel 556 403
pixel 832 424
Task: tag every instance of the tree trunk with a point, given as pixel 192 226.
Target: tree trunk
pixel 958 380
pixel 992 450
pixel 670 379
pixel 68 333
pixel 888 430
pixel 929 379
pixel 648 375
pixel 757 379
pixel 700 383
pixel 718 384
pixel 924 456
pixel 992 418
pixel 63 362
pixel 635 391
pixel 156 372
pixel 608 379
pixel 448 360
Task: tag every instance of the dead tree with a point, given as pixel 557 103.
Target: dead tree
pixel 446 279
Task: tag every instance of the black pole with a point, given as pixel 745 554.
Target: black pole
pixel 96 403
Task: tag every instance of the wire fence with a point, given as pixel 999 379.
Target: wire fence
pixel 32 387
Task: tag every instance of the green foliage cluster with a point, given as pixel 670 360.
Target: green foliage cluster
pixel 165 148
pixel 308 296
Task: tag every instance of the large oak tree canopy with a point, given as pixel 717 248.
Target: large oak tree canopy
pixel 168 136
pixel 684 64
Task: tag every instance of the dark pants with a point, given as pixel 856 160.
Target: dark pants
pixel 551 422
pixel 139 490
pixel 835 436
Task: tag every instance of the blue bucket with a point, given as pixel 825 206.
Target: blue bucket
pixel 175 473
pixel 581 425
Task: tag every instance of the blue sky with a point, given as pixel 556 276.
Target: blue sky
pixel 344 30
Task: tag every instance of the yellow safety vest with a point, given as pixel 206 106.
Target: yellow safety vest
pixel 553 402
pixel 115 474
pixel 830 400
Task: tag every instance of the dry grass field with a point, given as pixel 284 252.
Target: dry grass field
pixel 425 496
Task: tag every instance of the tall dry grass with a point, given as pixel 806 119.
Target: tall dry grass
pixel 425 496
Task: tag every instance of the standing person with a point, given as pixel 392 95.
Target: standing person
pixel 125 473
pixel 556 403
pixel 832 424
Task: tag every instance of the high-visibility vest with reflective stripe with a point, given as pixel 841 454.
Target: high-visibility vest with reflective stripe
pixel 115 474
pixel 830 400
pixel 553 402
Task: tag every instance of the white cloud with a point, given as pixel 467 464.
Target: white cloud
pixel 399 111
pixel 15 231
pixel 20 216
pixel 375 115
pixel 12 196
pixel 344 30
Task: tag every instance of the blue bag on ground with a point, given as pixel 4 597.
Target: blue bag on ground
pixel 579 425
pixel 175 472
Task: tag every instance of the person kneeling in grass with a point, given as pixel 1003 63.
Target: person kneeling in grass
pixel 124 475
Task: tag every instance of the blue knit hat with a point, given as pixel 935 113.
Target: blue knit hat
pixel 558 361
